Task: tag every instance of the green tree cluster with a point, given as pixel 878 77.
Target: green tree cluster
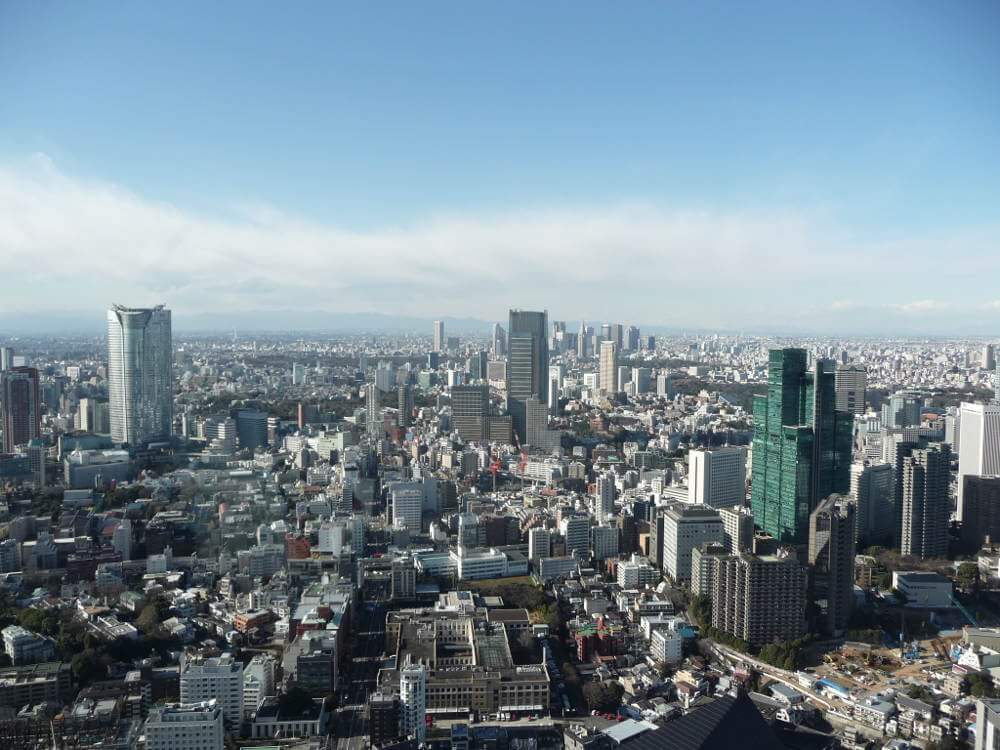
pixel 603 696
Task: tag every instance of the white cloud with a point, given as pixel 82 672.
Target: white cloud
pixel 68 243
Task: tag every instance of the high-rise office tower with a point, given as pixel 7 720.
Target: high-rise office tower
pixel 717 476
pixel 439 341
pixel 902 409
pixel 988 360
pixel 872 490
pixel 470 407
pixel 527 364
pixel 979 444
pixel 20 406
pixel 373 410
pixel 996 384
pixel 926 506
pixel 251 425
pixel 801 445
pixel 632 339
pixel 852 381
pixel 581 341
pixel 6 358
pixel 140 375
pixel 616 333
pixel 476 365
pixel 684 528
pixel 499 340
pixel 831 557
pixel 609 368
pixel 604 500
pixel 981 520
pixel 405 405
pixel 555 386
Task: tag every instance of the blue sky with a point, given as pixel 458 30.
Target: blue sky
pixel 711 146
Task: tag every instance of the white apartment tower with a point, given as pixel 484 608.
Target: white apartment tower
pixel 218 678
pixel 604 501
pixel 140 374
pixel 439 335
pixel 413 701
pixel 717 476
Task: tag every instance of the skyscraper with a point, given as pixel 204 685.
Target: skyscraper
pixel 717 476
pixel 979 445
pixel 140 378
pixel 801 445
pixel 527 364
pixel 20 406
pixel 924 500
pixel 499 340
pixel 872 490
pixel 413 700
pixel 581 341
pixel 439 336
pixel 902 409
pixel 6 358
pixel 632 339
pixel 852 381
pixel 372 409
pixel 470 412
pixel 608 370
pixel 982 512
pixel 405 405
pixel 604 501
pixel 989 361
pixel 831 557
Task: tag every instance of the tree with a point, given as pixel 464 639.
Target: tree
pixel 603 696
pixel 968 576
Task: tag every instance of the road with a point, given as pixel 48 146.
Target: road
pixel 368 640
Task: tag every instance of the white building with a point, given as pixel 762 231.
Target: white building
pixel 478 565
pixel 258 681
pixel 604 500
pixel 218 678
pixel 684 528
pixel 665 645
pixel 140 374
pixel 121 540
pixel 987 724
pixel 25 647
pixel 979 443
pixel 636 572
pixel 737 529
pixel 717 476
pixel 183 726
pixel 407 503
pixel 413 701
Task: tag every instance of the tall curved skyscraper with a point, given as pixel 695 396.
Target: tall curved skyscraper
pixel 140 374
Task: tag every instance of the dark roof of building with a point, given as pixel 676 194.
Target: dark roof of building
pixel 725 723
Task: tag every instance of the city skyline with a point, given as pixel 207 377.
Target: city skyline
pixel 658 189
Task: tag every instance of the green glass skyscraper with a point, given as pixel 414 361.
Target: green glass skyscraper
pixel 801 445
